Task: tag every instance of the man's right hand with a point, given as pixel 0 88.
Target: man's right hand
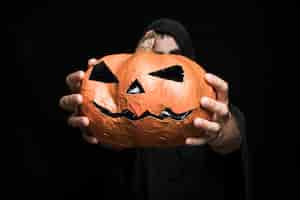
pixel 72 101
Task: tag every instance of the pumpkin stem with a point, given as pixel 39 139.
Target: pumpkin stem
pixel 147 42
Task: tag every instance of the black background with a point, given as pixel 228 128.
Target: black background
pixel 47 40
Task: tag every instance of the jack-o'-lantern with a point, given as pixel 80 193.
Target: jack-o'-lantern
pixel 144 99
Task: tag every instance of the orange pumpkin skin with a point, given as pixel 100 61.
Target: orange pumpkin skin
pixel 159 93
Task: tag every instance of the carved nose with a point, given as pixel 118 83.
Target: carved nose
pixel 135 88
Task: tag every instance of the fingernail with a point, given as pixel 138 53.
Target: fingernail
pixel 204 100
pixel 81 74
pixel 208 76
pixel 198 122
pixel 94 140
pixel 92 61
pixel 84 121
pixel 79 99
pixel 188 141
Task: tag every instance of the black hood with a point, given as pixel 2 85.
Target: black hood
pixel 178 31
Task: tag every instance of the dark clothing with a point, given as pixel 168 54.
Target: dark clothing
pixel 187 172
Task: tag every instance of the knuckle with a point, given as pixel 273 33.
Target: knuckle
pixel 73 79
pixel 92 61
pixel 210 102
pixel 86 138
pixel 226 113
pixel 68 100
pixel 71 99
pixel 84 121
pixel 225 86
pixel 89 139
pixel 70 121
pixel 62 102
pixel 217 127
pixel 208 125
pixel 218 107
pixel 77 98
pixel 214 127
pixel 77 121
pixel 223 110
pixel 67 80
pixel 78 73
pixel 82 74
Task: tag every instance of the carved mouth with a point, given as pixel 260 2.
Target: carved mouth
pixel 166 113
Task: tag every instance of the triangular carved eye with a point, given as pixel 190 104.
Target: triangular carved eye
pixel 135 88
pixel 174 73
pixel 102 73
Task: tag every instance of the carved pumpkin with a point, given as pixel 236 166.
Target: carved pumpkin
pixel 144 99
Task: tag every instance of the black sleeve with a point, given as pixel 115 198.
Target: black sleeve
pixel 241 123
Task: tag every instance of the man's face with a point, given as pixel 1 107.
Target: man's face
pixel 166 44
pixel 160 43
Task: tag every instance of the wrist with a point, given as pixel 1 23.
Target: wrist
pixel 228 138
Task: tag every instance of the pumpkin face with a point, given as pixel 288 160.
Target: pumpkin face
pixel 144 99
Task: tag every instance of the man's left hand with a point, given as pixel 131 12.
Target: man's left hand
pixel 219 109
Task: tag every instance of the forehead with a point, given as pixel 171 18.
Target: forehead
pixel 165 44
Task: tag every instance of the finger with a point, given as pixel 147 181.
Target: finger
pixel 220 86
pixel 92 61
pixel 78 121
pixel 70 102
pixel 207 126
pixel 88 138
pixel 73 80
pixel 221 109
pixel 195 141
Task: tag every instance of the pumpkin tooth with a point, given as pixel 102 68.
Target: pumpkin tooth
pixel 132 116
pixel 169 113
pixel 165 113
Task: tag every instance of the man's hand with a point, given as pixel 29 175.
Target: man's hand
pixel 71 103
pixel 222 133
